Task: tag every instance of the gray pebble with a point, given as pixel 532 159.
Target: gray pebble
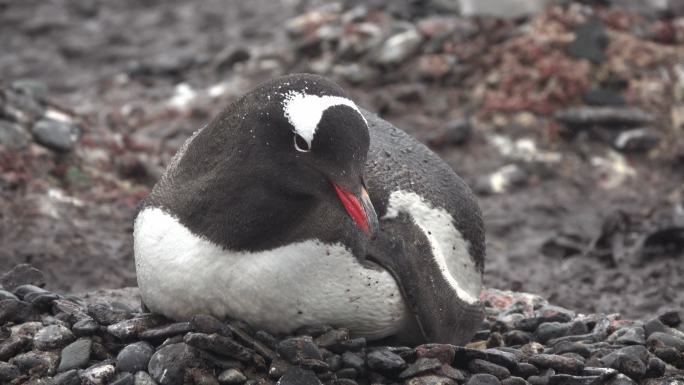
pixel 384 360
pixel 56 135
pixel 8 372
pixel 75 355
pixel 295 349
pixel 298 376
pixel 134 357
pixel 143 378
pixel 667 340
pixel 232 377
pixel 483 379
pixel 53 337
pixel 481 366
pixel 420 366
pixel 430 380
pixel 169 364
pixel 22 274
pixel 70 377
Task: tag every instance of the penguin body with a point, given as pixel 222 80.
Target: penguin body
pixel 267 215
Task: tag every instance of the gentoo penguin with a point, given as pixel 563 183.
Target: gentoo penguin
pixel 295 207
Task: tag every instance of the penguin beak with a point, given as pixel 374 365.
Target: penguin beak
pixel 360 209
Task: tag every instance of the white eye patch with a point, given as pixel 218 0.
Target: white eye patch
pixel 304 111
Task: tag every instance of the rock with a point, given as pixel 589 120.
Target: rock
pixel 85 327
pixel 207 324
pixel 455 133
pixel 13 346
pixel 12 310
pixel 631 335
pixel 430 380
pixel 39 363
pixel 631 361
pixel 4 294
pixel 13 136
pixel 353 360
pixel 670 318
pixel 505 359
pixel 654 325
pixel 70 377
pixel 169 364
pixel 143 378
pixel 8 372
pixel 567 379
pixel 655 368
pixel 571 347
pixel 23 274
pixel 298 376
pixel 57 135
pixel 620 379
pixel 481 366
pixel 35 295
pixel 99 374
pixel 604 116
pixel 123 379
pixel 354 344
pixel 517 337
pixel 443 352
pixel 134 357
pixel 130 328
pixel 590 42
pixel 232 377
pixel 602 97
pixel 218 344
pixel 666 340
pixel 295 349
pixel 398 48
pixel 420 366
pixel 165 331
pixel 502 8
pixel 53 337
pixel 525 370
pixel 483 379
pixel 75 355
pixel 332 338
pixel 383 360
pixel 558 363
pixel 670 355
pixel 106 313
pixel 502 180
pixel 550 330
pixel 637 140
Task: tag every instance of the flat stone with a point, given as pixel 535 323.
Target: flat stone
pixel 514 381
pixel 558 363
pixel 85 327
pixel 8 372
pixel 483 379
pixel 550 330
pixel 75 355
pixel 13 346
pixel 70 377
pixel 131 328
pixel 134 357
pixel 231 377
pixel 99 374
pixel 59 136
pixel 666 340
pixel 572 347
pixel 203 323
pixel 165 331
pixel 12 310
pixel 671 317
pixel 383 360
pixel 481 366
pixel 218 344
pixel 507 360
pixel 443 352
pixel 420 366
pixel 298 376
pixel 53 337
pixel 295 349
pixel 631 361
pixel 430 380
pixel 169 364
pixel 23 274
pixel 143 378
pixel 35 295
pixel 39 363
pixel 106 313
pixel 123 379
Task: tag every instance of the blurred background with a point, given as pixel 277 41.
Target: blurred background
pixel 566 118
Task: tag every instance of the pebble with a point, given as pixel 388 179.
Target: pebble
pixel 398 48
pixel 421 366
pixel 22 274
pixel 430 380
pixel 123 379
pixel 169 364
pixel 550 330
pixel 35 295
pixel 130 328
pixel 353 360
pixel 590 42
pixel 12 310
pixel 70 377
pixel 483 379
pixel 481 366
pixel 631 361
pixel 99 374
pixel 218 344
pixel 631 335
pixel 57 135
pixel 231 377
pixel 13 136
pixel 134 357
pixel 85 327
pixel 53 337
pixel 384 360
pixel 75 355
pixel 13 346
pixel 165 331
pixel 39 363
pixel 514 381
pixel 143 378
pixel 558 363
pixel 667 340
pixel 638 140
pixel 107 314
pixel 671 318
pixel 298 376
pixel 203 323
pixel 654 325
pixel 8 372
pixel 295 349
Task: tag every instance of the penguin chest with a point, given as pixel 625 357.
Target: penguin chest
pixel 279 290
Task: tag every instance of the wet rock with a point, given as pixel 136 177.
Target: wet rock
pixel 298 376
pixel 169 364
pixel 483 379
pixel 631 335
pixel 8 372
pixel 35 295
pixel 590 42
pixel 383 360
pixel 57 135
pixel 420 366
pixel 558 363
pixel 13 136
pixel 165 331
pixel 106 313
pixel 37 363
pixel 218 344
pixel 602 97
pixel 659 338
pixel 123 379
pixel 482 366
pixel 550 330
pixel 75 355
pixel 604 116
pixel 99 374
pixel 13 346
pixel 129 328
pixel 70 377
pixel 12 310
pixel 231 377
pixel 134 357
pixel 398 48
pixel 143 378
pixel 295 349
pixel 203 323
pixel 630 361
pixel 53 337
pixel 22 274
pixel 430 380
pixel 85 327
pixel 670 318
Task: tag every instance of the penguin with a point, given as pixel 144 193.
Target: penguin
pixel 295 207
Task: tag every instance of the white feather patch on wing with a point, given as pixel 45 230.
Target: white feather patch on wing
pixel 304 111
pixel 449 248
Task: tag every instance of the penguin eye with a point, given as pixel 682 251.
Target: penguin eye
pixel 301 144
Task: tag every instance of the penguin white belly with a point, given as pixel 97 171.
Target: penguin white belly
pixel 307 283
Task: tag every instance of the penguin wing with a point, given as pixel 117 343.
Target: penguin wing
pixel 431 237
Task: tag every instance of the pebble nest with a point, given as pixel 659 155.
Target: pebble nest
pixel 48 338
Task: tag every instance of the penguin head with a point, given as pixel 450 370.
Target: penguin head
pixel 290 155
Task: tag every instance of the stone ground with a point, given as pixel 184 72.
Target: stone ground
pixel 582 206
